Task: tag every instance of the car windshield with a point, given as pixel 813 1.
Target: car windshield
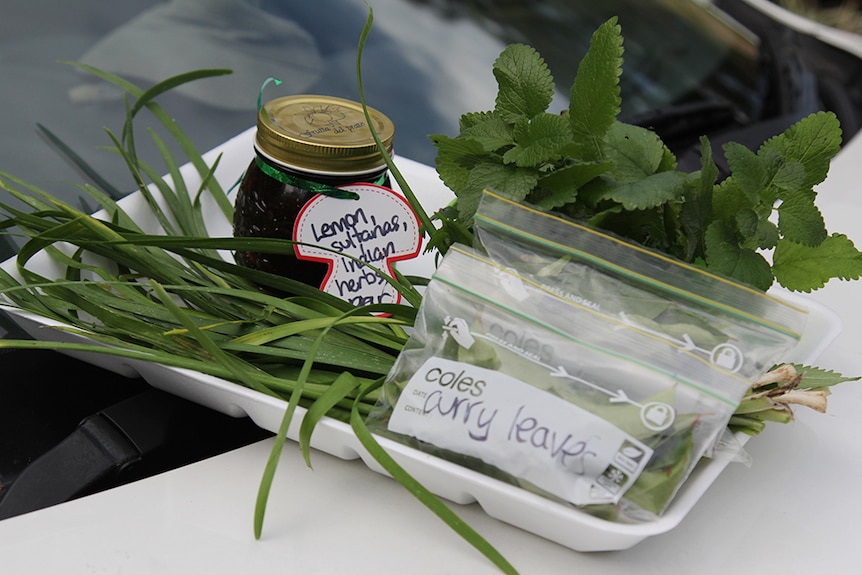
pixel 675 50
pixel 426 62
pixel 429 61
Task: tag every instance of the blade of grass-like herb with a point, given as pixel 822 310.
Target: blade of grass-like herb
pixel 343 386
pixel 166 191
pixel 126 351
pixel 269 469
pixel 318 376
pixel 173 128
pixel 425 221
pixel 150 94
pixel 330 356
pixel 204 185
pixel 116 215
pixel 73 271
pixel 80 163
pixel 217 354
pixel 24 297
pixel 136 168
pixel 389 336
pixel 431 501
pixel 268 335
pixel 39 242
pixel 173 82
pixel 185 211
pixel 176 193
pixel 278 445
pixel 32 200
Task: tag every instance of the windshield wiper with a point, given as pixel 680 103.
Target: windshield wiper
pixel 680 125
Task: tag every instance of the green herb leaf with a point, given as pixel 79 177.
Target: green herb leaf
pixel 729 197
pixel 789 176
pixel 749 171
pixel 804 268
pixel 726 256
pixel 799 219
pixel 511 181
pixel 816 377
pixel 649 192
pixel 539 140
pixel 526 86
pixel 420 492
pixel 636 152
pixel 490 130
pixel 813 142
pixel 341 388
pixel 455 158
pixel 697 211
pixel 561 186
pixel 594 102
pixel 467 170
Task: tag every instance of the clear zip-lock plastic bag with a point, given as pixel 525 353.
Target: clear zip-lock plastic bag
pixel 505 377
pixel 735 327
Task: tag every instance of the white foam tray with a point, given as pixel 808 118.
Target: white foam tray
pixel 564 525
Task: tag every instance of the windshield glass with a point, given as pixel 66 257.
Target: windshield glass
pixel 426 62
pixel 674 49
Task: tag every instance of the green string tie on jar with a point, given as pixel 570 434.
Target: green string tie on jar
pixel 316 187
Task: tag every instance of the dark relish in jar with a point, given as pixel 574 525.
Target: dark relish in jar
pixel 304 146
pixel 268 208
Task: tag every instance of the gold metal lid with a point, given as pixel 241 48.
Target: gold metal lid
pixel 322 133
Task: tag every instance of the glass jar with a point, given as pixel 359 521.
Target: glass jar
pixel 305 146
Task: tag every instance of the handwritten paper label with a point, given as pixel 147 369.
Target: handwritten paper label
pixel 378 229
pixel 523 430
